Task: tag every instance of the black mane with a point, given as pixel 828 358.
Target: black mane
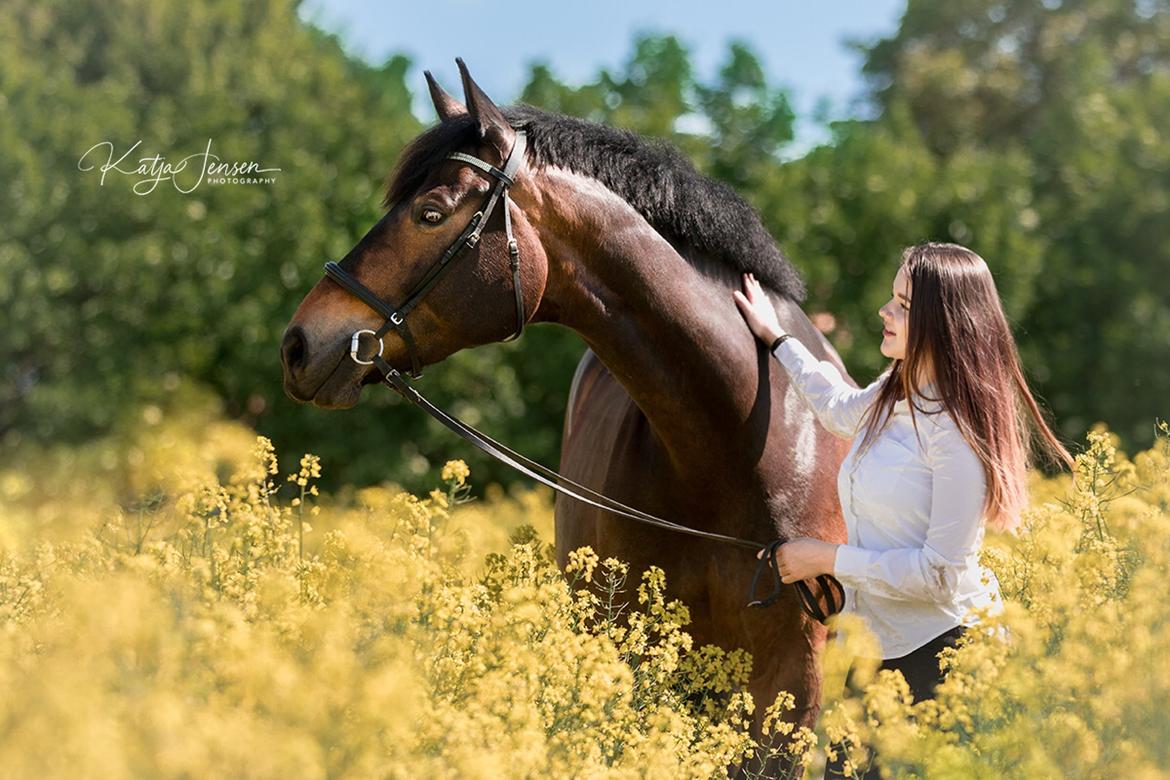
pixel 652 175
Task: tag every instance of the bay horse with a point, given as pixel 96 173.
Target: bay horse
pixel 674 408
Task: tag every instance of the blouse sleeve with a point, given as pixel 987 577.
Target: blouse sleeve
pixel 838 405
pixel 933 571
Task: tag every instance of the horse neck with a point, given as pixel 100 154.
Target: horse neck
pixel 666 328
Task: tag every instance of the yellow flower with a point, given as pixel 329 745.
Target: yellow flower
pixel 455 470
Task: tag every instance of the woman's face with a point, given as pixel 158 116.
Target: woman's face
pixel 896 318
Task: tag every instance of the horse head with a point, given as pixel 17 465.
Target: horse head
pixel 474 296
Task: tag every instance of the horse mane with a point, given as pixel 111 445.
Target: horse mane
pixel 652 175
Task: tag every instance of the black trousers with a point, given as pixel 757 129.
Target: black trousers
pixel 922 673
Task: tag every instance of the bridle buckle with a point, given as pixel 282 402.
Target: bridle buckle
pixel 355 343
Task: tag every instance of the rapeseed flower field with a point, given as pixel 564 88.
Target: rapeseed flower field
pixel 173 604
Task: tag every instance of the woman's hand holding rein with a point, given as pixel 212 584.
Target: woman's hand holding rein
pixel 804 558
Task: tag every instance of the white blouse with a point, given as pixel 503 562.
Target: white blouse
pixel 913 510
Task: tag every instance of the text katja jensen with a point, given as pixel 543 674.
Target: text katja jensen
pixel 207 167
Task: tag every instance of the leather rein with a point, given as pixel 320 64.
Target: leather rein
pixel 396 318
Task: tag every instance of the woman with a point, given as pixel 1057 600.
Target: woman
pixel 919 483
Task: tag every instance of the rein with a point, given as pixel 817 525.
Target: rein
pixel 396 318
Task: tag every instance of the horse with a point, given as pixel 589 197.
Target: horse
pixel 675 408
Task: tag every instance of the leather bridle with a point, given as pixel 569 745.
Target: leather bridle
pixel 468 239
pixel 396 318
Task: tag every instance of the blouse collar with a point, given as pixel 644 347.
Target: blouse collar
pixel 922 403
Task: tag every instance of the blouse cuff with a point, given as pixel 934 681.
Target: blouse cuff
pixel 788 353
pixel 851 564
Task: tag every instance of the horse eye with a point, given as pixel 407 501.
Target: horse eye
pixel 432 216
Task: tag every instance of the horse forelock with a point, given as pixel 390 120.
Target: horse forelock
pixel 425 153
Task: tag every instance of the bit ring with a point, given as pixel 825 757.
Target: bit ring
pixel 355 343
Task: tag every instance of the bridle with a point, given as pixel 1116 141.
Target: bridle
pixel 468 239
pixel 396 318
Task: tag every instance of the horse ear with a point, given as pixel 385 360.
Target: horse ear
pixel 492 124
pixel 445 105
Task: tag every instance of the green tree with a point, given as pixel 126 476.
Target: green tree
pixel 1081 91
pixel 116 297
pixel 1031 131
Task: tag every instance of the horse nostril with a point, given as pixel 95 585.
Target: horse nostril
pixel 293 349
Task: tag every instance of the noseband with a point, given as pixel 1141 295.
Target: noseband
pixel 396 318
pixel 468 239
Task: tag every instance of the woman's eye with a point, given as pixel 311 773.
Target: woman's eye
pixel 431 216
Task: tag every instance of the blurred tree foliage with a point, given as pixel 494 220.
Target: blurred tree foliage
pixel 1031 131
pixel 118 298
pixel 1078 94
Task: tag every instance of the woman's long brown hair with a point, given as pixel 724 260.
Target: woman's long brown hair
pixel 957 326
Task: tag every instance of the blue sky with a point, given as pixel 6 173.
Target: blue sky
pixel 801 44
